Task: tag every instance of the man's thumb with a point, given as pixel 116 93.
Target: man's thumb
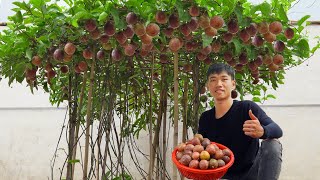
pixel 252 116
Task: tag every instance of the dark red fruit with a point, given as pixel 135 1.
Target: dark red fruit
pixel 129 50
pixel 252 66
pixel 194 11
pixel 267 59
pixel 233 26
pixel 147 47
pixel 289 33
pixel 101 54
pixel 168 32
pixel 257 41
pixel 258 61
pixel 161 17
pixel 131 18
pixel 193 24
pixel 51 74
pixel 77 69
pixel 146 39
pixel 128 32
pixel 36 60
pixel 95 34
pixel 104 38
pixel 244 36
pixel 153 29
pixel 116 54
pixel 120 37
pixel 216 46
pixel 139 29
pixel 252 29
pixel 227 37
pixel 227 55
pixel 185 29
pixel 164 59
pixel 174 44
pixel 109 28
pixel 275 27
pixel 90 25
pixel 64 69
pixel 269 37
pixel 70 48
pixel 87 53
pixel 204 21
pixel 82 66
pixel 263 27
pixel 273 67
pixel 187 67
pixel 206 50
pixel 201 57
pixel 58 54
pixel 243 59
pixel 278 59
pixel 174 21
pixel 210 31
pixel 216 22
pixel 207 61
pixel 279 46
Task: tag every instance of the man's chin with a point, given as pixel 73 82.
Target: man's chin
pixel 221 98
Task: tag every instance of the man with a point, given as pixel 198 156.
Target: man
pixel 239 125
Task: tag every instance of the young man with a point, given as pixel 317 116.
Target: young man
pixel 239 125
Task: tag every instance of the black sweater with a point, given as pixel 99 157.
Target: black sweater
pixel 228 130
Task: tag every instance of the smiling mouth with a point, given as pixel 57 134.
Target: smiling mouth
pixel 219 91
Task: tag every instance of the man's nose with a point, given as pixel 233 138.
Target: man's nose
pixel 219 82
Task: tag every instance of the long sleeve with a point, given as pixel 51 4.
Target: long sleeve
pixel 271 129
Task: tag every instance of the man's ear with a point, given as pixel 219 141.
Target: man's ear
pixel 234 84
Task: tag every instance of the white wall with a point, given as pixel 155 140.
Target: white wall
pixel 30 126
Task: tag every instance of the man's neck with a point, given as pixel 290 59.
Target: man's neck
pixel 222 107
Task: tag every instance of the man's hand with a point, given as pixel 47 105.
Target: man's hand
pixel 253 127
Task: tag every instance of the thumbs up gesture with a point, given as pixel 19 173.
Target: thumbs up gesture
pixel 252 127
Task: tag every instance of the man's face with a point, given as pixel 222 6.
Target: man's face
pixel 220 86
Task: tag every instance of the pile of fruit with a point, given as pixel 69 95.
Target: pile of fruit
pixel 201 153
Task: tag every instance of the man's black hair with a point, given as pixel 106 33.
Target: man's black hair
pixel 218 68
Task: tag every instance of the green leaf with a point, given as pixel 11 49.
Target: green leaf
pixel 303 47
pixel 271 96
pixel 206 40
pixel 237 46
pixel 36 3
pixel 256 99
pixel 265 8
pixel 103 16
pixel 282 14
pixel 315 48
pixel 118 22
pixel 21 5
pixel 183 15
pixel 73 161
pixel 19 18
pixel 29 53
pixel 303 19
pixel 256 93
pixel 78 16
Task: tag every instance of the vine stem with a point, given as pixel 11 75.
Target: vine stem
pixel 88 119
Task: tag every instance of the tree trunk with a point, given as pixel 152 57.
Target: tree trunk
pixel 196 101
pixel 176 108
pixel 88 120
pixel 185 109
pixel 74 154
